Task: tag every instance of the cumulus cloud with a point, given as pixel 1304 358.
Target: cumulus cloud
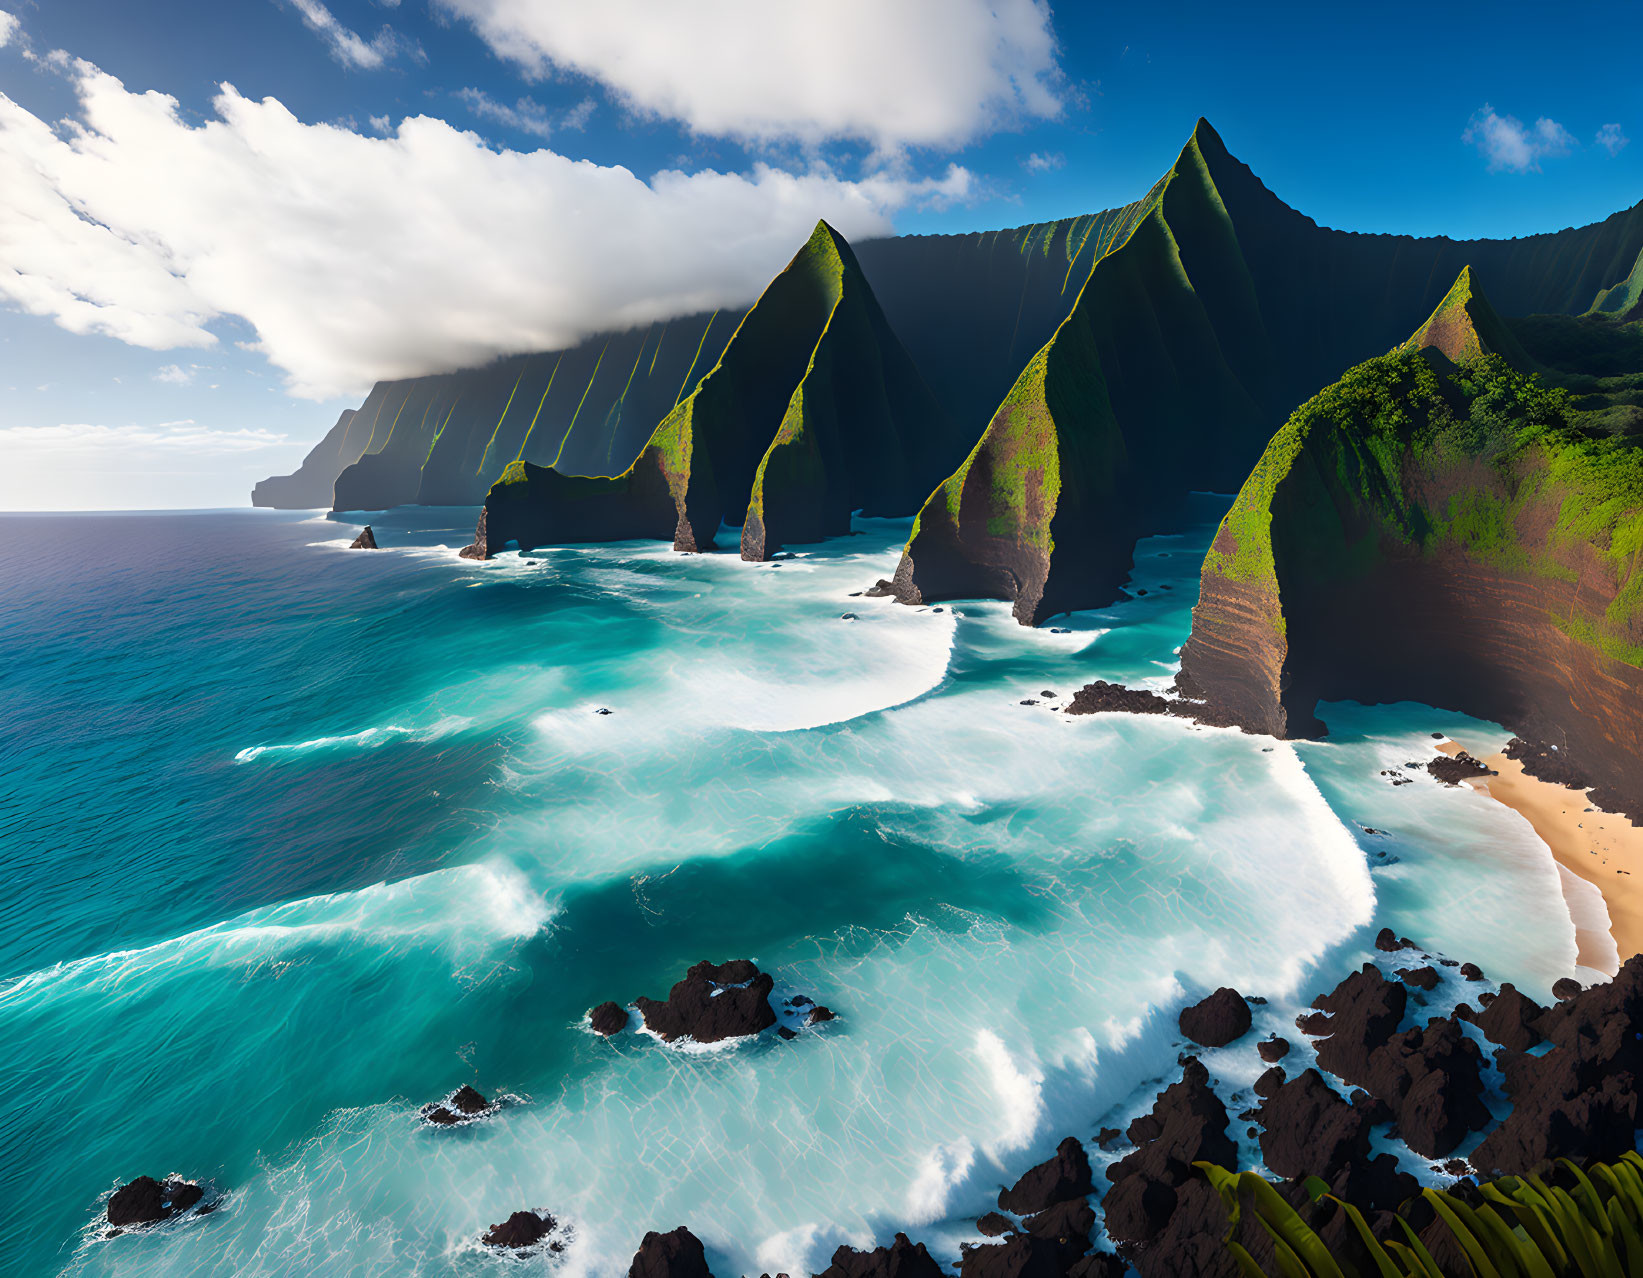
pixel 8 27
pixel 174 375
pixel 1610 137
pixel 356 257
pixel 346 46
pixel 1507 143
pixel 890 72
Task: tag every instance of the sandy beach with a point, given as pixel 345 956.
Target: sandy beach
pixel 1603 848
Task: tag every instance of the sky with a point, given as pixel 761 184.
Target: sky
pixel 222 220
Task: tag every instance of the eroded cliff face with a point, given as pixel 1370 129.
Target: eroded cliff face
pixel 1456 535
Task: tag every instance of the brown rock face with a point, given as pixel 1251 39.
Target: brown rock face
pixel 677 1254
pixel 1442 628
pixel 366 540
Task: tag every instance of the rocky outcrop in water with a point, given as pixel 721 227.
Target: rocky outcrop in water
pixel 1217 1020
pixel 367 540
pixel 146 1201
pixel 676 1254
pixel 525 1229
pixel 461 1106
pixel 903 1258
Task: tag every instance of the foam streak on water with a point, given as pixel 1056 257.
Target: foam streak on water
pixel 331 833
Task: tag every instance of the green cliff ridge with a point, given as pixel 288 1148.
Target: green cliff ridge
pixel 1460 533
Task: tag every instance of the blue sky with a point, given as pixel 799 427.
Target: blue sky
pixel 191 291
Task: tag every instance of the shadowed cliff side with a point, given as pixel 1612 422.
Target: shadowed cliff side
pixel 1216 312
pixel 813 409
pixel 1455 533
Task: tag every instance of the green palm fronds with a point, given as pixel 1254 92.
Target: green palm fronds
pixel 1523 1228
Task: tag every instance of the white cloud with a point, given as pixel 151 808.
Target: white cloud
pixel 356 258
pixel 174 375
pixel 381 124
pixel 1611 138
pixel 1507 143
pixel 9 26
pixel 348 47
pixel 1043 161
pixel 576 119
pixel 186 436
pixel 527 115
pixel 890 72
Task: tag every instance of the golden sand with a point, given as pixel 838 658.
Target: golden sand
pixel 1601 847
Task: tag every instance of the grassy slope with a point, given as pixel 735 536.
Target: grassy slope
pixel 1343 480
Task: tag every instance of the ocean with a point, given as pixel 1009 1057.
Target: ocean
pixel 297 838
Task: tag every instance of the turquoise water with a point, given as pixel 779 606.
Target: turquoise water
pixel 298 838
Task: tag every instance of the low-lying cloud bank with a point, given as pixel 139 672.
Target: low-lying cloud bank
pixel 358 257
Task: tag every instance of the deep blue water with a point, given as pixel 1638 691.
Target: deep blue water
pixel 296 838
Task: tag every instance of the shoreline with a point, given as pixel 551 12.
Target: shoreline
pixel 1601 848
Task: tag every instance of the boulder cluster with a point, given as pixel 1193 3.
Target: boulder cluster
pixel 714 1002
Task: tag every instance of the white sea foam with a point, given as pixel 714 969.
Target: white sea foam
pixel 375 736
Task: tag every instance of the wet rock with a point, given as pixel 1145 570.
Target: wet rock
pixel 603 710
pixel 1187 1124
pixel 677 1254
pixel 1509 1020
pixel 902 1259
pixel 1471 971
pixel 1420 978
pixel 820 1014
pixel 522 1229
pixel 713 1002
pixel 367 540
pixel 1056 1180
pixel 786 1034
pixel 1453 769
pixel 1273 1049
pixel 1220 1019
pixel 995 1225
pixel 1365 1010
pixel 1102 697
pixel 1565 989
pixel 1431 1080
pixel 1107 1136
pixel 1019 1256
pixel 608 1019
pixel 1270 1081
pixel 146 1201
pixel 460 1106
pixel 1387 941
pixel 1310 1130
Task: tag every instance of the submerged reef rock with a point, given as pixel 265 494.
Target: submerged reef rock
pixel 367 540
pixel 901 1259
pixel 677 1254
pixel 523 1229
pixel 1217 1020
pixel 146 1201
pixel 713 1002
pixel 1457 534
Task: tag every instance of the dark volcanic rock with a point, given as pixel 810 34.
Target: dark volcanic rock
pixel 1270 1081
pixel 1101 697
pixel 1580 1099
pixel 714 1002
pixel 367 540
pixel 902 1259
pixel 146 1201
pixel 1310 1130
pixel 819 1014
pixel 1452 770
pixel 1471 971
pixel 608 1019
pixel 1431 1080
pixel 1218 1020
pixel 1565 989
pixel 1067 1225
pixel 1509 1020
pixel 1056 1180
pixel 1420 978
pixel 672 1255
pixel 1389 942
pixel 522 1229
pixel 995 1225
pixel 1019 1256
pixel 1188 1123
pixel 1365 1010
pixel 1098 1264
pixel 461 1105
pixel 1273 1049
